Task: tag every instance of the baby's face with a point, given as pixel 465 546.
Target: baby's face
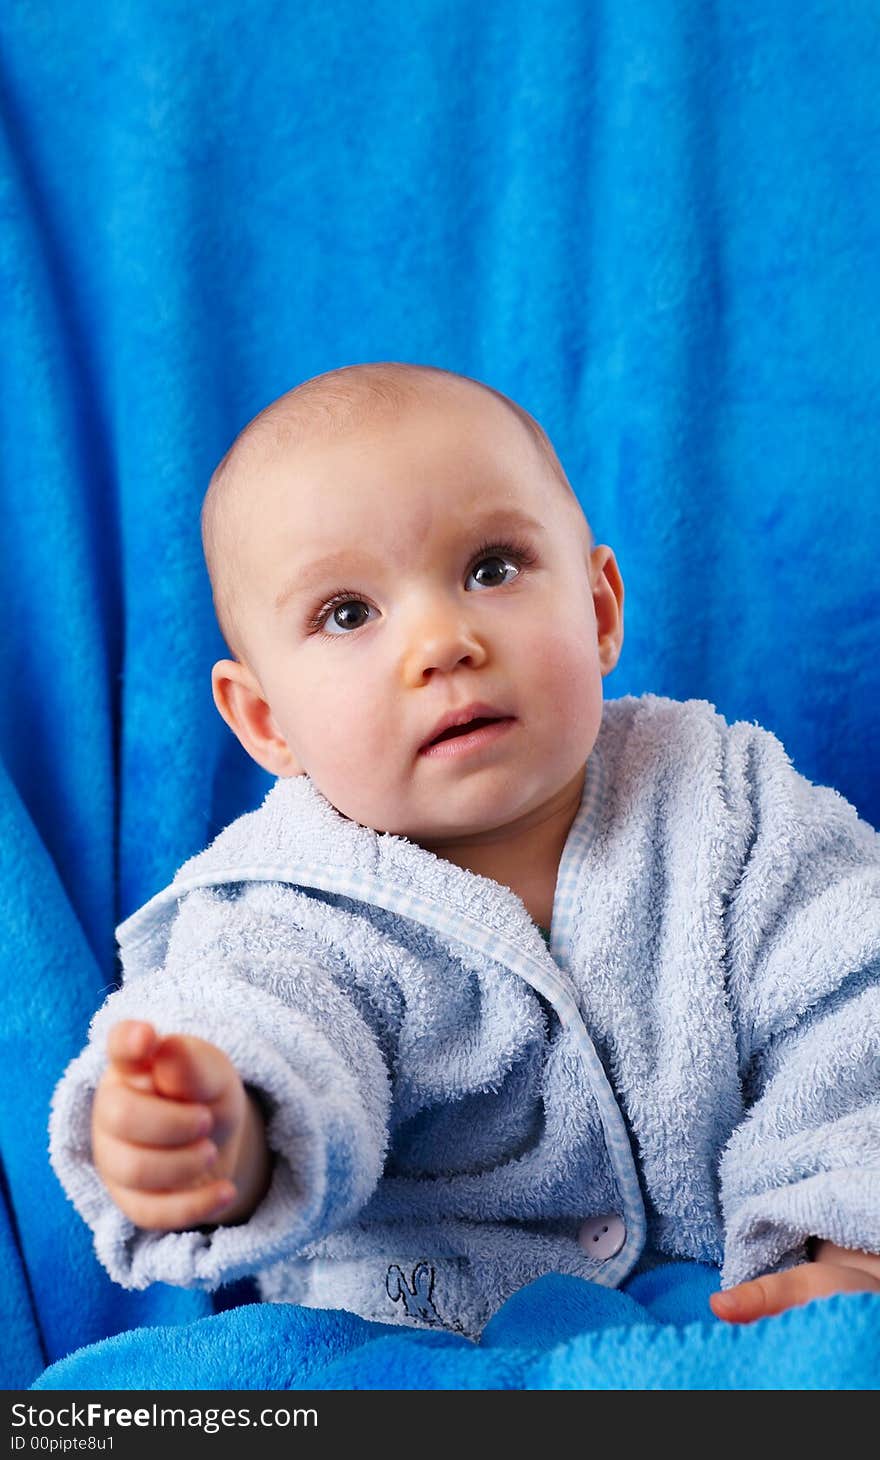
pixel 445 595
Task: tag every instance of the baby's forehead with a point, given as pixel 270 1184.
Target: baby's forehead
pixel 286 460
pixel 281 463
pixel 290 426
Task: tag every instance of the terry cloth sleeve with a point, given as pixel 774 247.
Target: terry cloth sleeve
pixel 236 970
pixel 803 946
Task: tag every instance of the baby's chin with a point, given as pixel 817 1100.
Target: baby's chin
pixel 430 833
pixel 475 813
pixel 443 835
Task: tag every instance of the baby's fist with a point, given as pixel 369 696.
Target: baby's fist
pixel 167 1124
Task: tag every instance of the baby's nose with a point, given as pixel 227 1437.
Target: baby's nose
pixel 439 642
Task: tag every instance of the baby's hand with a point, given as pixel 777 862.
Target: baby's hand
pixel 169 1120
pixel 834 1270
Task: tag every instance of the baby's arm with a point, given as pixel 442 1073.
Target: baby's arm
pixel 176 1138
pixel 238 973
pixel 800 1174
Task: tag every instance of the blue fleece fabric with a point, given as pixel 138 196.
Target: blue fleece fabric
pixel 558 1333
pixel 651 222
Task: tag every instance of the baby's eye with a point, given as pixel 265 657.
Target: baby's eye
pixel 340 616
pixel 498 563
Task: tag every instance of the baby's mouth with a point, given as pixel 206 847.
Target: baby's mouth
pixel 467 739
pixel 464 729
pixel 472 720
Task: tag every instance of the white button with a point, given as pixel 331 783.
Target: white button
pixel 602 1237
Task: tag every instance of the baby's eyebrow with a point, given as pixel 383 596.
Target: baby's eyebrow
pixel 349 559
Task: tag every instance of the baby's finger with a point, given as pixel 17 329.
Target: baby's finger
pixel 147 1119
pixel 146 1168
pixel 175 1211
pixel 130 1047
pixel 774 1292
pixel 188 1068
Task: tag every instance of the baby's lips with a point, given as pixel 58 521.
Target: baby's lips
pixel 463 717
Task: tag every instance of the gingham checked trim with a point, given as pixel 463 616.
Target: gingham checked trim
pixel 455 924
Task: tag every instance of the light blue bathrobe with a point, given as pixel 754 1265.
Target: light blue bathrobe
pixel 691 1070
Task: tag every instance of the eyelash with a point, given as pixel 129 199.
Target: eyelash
pixel 518 551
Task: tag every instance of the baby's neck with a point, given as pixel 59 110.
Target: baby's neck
pixel 525 856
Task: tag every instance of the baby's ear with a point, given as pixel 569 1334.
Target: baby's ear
pixel 240 701
pixel 608 605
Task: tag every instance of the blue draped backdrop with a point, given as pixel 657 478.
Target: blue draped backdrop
pixel 654 223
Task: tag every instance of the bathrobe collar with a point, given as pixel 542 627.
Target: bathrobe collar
pixel 297 836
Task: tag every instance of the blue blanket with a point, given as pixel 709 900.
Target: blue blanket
pixel 558 1333
pixel 653 223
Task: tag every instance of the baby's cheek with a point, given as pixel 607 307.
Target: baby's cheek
pixel 569 684
pixel 360 756
pixel 565 664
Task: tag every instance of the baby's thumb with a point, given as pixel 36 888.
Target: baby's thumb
pixel 130 1047
pixel 188 1068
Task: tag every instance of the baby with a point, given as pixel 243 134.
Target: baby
pixel 498 980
